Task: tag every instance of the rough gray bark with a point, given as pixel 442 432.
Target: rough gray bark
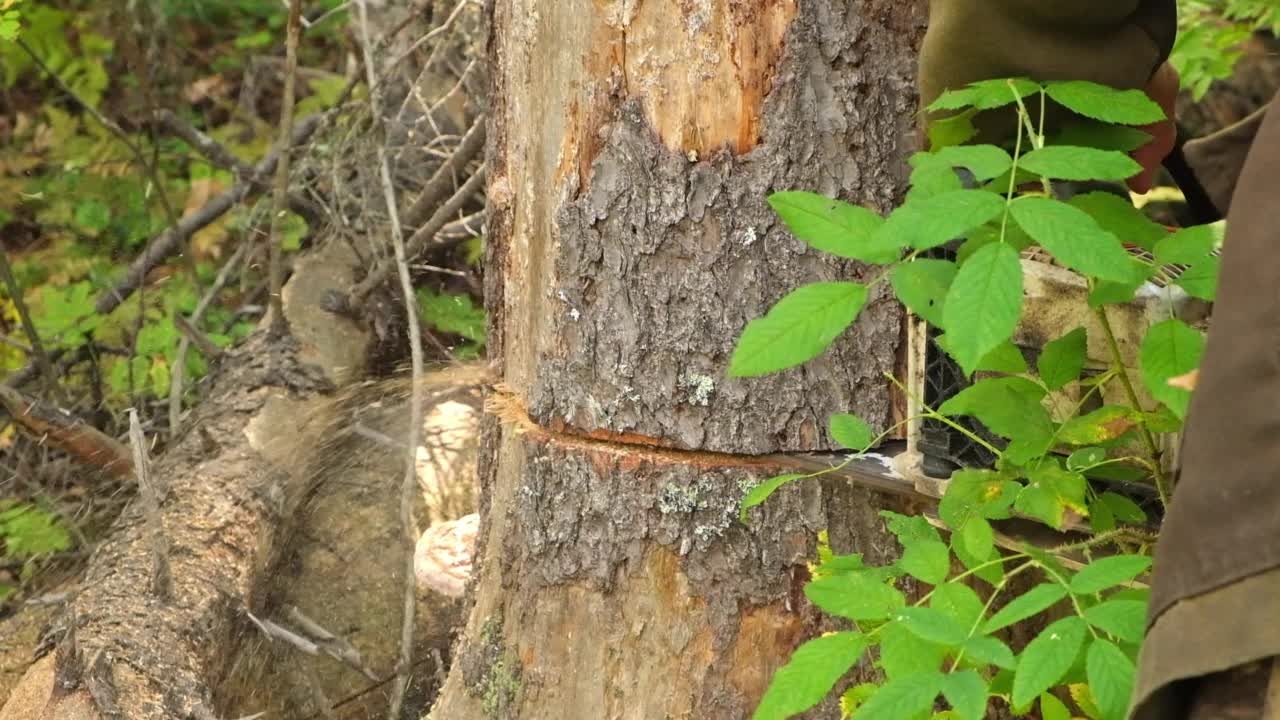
pixel 641 245
pixel 632 148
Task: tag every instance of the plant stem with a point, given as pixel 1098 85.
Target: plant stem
pixel 1162 486
pixel 932 414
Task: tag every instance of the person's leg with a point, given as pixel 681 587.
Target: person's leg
pixel 1244 692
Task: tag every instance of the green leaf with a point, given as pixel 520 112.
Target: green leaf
pixel 799 328
pixel 932 625
pixel 28 531
pixel 1111 676
pixel 959 602
pixel 832 226
pixel 984 162
pixel 1083 698
pixel 1085 458
pixel 810 674
pixel 1063 359
pixel 1102 135
pixel 1033 602
pixel 929 562
pixel 955 130
pixel 1008 406
pixel 1107 292
pixel 930 177
pixel 905 653
pixel 910 529
pixel 1123 508
pixel 1051 708
pixel 1092 100
pixel 1125 619
pixel 922 286
pixel 984 304
pixel 983 493
pixel 936 220
pixel 1047 658
pixel 1100 426
pixel 1050 492
pixel 967 693
pixel 1006 358
pixel 991 573
pixel 992 651
pixel 1073 237
pixel 1189 245
pixel 1108 572
pixel 1101 519
pixel 1065 162
pixel 854 597
pixel 851 432
pixel 93 216
pixel 903 697
pixel 985 95
pixel 761 492
pixel 1201 280
pixel 1118 216
pixel 1171 349
pixel 977 537
pixel 854 697
pixel 452 313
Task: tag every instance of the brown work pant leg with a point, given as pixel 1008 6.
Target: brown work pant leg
pixel 1246 692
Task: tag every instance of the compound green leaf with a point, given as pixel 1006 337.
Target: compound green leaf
pixel 1051 708
pixel 902 652
pixel 903 697
pixel 932 625
pixel 984 304
pixel 1118 216
pixel 1171 349
pixel 832 226
pixel 1100 102
pixel 983 161
pixel 854 597
pixel 761 492
pixel 1111 675
pixel 933 221
pixel 967 693
pixel 1066 162
pixel 926 561
pixel 977 537
pixel 799 328
pixel 1031 603
pixel 1063 359
pixel 985 95
pixel 1100 426
pixel 810 674
pixel 992 651
pixel 851 431
pixel 922 286
pixel 1047 659
pixel 1074 238
pixel 1124 619
pixel 1108 572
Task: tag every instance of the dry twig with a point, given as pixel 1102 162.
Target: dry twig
pixel 409 483
pixel 28 326
pixel 279 199
pixel 149 494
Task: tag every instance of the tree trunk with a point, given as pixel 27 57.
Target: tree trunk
pixel 633 145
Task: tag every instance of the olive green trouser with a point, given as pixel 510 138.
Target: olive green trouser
pixel 1246 692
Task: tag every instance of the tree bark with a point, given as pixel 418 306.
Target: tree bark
pixel 633 145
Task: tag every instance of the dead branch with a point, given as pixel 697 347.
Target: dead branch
pixel 205 145
pixel 149 494
pixel 280 324
pixel 424 235
pixel 409 482
pixel 64 431
pixel 176 377
pixel 445 176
